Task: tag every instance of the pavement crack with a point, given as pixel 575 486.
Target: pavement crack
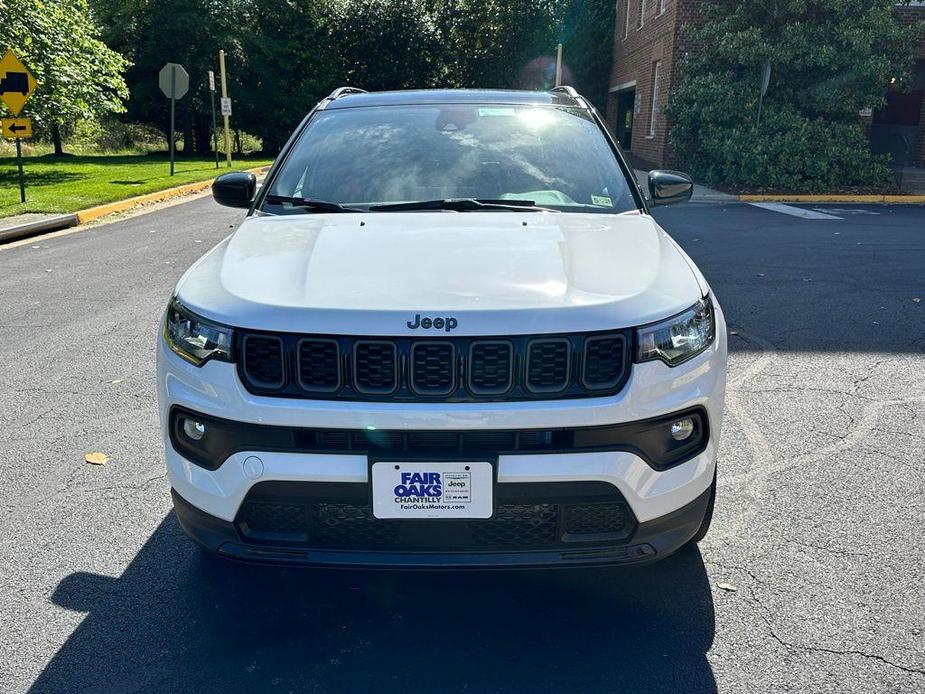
pixel 863 379
pixel 832 550
pixel 766 616
pixel 123 487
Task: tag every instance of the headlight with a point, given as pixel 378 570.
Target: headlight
pixel 679 338
pixel 195 339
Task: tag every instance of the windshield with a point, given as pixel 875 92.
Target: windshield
pixel 360 157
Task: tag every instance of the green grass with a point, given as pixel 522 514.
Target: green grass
pixel 72 183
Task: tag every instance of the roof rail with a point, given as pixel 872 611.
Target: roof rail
pixel 564 89
pixel 342 91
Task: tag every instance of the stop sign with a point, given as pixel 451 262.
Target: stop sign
pixel 173 80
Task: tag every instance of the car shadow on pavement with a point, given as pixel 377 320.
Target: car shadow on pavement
pixel 176 620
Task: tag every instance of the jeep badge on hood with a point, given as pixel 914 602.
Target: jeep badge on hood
pixel 447 323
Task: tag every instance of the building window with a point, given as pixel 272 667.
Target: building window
pixel 656 74
pixel 626 19
pixel 642 13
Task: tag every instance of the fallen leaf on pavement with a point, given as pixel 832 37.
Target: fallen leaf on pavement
pixel 96 458
pixel 727 587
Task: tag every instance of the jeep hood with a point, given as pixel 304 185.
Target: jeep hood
pixel 496 273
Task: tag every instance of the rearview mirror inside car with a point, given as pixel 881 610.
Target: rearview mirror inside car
pixel 669 187
pixel 235 189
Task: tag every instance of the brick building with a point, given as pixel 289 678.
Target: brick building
pixel 649 43
pixel 899 129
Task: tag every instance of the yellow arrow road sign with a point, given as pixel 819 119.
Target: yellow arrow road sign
pixel 16 83
pixel 17 128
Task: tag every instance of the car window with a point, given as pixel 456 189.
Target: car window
pixel 555 157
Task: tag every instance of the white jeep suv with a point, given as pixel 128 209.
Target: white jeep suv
pixel 447 334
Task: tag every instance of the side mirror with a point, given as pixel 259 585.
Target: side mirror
pixel 235 189
pixel 669 187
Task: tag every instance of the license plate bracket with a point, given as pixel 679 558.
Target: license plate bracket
pixel 432 490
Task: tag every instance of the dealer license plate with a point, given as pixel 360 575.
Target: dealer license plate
pixel 432 490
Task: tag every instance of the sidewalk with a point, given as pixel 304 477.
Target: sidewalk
pixel 34 223
pixel 704 194
pixel 701 193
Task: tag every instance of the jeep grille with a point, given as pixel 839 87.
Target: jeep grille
pixel 434 369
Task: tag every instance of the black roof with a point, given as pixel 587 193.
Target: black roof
pixel 452 96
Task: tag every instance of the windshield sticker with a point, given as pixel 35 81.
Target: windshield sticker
pixel 602 200
pixel 496 112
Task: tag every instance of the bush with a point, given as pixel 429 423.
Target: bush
pixel 111 135
pixel 829 59
pixel 785 151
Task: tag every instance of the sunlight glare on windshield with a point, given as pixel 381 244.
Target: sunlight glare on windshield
pixel 535 118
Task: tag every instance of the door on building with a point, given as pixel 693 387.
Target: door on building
pixel 626 100
pixel 896 129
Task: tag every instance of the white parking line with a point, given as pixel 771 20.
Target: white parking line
pixel 852 210
pixel 795 211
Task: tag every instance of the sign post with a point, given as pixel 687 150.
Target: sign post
pixel 221 66
pixel 558 64
pixel 16 86
pixel 214 125
pixel 174 82
pixel 765 80
pixel 22 177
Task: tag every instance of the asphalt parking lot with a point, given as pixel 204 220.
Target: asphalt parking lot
pixel 812 579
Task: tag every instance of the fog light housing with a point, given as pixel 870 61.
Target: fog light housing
pixel 682 429
pixel 193 430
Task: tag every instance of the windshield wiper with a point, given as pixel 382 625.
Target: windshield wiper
pixel 461 205
pixel 316 205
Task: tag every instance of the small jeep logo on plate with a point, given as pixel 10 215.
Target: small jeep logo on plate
pixel 440 323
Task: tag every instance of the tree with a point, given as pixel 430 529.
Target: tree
pixel 829 59
pixel 283 57
pixel 491 43
pixel 189 32
pixel 79 77
pixel 281 61
pixel 586 33
pixel 386 44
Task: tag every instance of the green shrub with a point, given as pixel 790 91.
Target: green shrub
pixel 829 59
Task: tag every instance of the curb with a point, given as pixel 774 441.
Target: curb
pixel 93 213
pixel 870 199
pixel 40 227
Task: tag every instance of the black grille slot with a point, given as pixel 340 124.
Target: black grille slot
pixel 491 367
pixel 433 439
pixel 489 440
pixel 261 520
pixel 535 439
pixel 375 366
pixel 604 362
pixel 387 440
pixel 263 360
pixel 334 440
pixel 319 365
pixel 519 525
pixel 548 365
pixel 350 526
pixel 433 368
pixel 593 521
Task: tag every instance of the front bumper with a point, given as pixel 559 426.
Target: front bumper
pixel 667 504
pixel 654 539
